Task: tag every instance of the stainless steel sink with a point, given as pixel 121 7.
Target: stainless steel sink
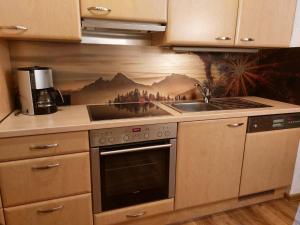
pixel 193 106
pixel 215 104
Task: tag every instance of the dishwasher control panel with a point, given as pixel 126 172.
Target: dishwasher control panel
pixel 273 122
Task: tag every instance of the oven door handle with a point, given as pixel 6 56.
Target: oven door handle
pixel 127 150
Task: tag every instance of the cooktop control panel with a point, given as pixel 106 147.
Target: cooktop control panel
pixel 273 122
pixel 121 135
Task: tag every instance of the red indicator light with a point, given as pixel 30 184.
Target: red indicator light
pixel 136 130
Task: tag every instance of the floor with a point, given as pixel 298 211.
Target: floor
pixel 278 212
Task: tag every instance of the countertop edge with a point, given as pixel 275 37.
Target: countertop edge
pixel 278 108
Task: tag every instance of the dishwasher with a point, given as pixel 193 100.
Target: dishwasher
pixel 271 147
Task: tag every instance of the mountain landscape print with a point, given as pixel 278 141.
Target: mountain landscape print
pixel 96 74
pixel 122 89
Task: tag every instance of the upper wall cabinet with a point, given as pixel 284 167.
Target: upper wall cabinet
pixel 244 23
pixel 201 22
pixel 129 10
pixel 29 19
pixel 265 23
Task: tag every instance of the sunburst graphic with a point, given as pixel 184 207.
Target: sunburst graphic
pixel 240 73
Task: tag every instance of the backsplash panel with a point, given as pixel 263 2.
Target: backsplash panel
pixel 91 74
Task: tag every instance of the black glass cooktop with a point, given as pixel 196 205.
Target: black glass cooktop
pixel 124 111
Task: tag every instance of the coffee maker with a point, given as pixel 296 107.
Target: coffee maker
pixel 36 91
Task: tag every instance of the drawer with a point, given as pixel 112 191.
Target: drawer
pixel 2 220
pixel 75 210
pixel 134 212
pixel 43 145
pixel 33 180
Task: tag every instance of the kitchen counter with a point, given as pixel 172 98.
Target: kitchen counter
pixel 76 118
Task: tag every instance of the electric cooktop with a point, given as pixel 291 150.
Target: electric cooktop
pixel 124 111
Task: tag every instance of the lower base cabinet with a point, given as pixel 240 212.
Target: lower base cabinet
pixel 75 210
pixel 209 161
pixel 134 212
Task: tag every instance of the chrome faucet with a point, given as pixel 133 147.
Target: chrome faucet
pixel 205 91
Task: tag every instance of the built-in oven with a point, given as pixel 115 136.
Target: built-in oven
pixel 132 165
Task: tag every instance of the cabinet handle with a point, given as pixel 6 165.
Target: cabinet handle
pixel 223 38
pixel 235 125
pixel 17 27
pixel 50 210
pixel 247 39
pixel 50 166
pixel 135 215
pixel 99 8
pixel 41 147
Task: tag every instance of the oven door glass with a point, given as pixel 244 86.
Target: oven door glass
pixel 134 177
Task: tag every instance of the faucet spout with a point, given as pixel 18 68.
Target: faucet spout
pixel 205 91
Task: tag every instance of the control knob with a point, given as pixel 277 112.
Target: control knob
pixel 102 140
pixel 159 134
pixel 167 133
pixel 111 139
pixel 126 137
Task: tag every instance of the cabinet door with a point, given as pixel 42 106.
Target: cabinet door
pixel 209 161
pixel 55 19
pixel 130 10
pixel 269 160
pixel 265 23
pixel 202 22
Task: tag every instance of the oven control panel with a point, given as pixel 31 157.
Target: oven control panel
pixel 121 135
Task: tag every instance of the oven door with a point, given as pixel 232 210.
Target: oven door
pixel 130 174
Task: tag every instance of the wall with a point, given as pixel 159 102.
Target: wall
pixel 98 73
pixel 6 103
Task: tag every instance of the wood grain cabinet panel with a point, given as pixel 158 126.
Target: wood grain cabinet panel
pixel 43 145
pixel 130 10
pixel 132 213
pixel 269 160
pixel 2 219
pixel 209 161
pixel 43 19
pixel 75 210
pixel 201 22
pixel 33 180
pixel 267 23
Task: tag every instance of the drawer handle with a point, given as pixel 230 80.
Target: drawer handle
pixel 247 39
pixel 17 27
pixel 223 38
pixel 50 210
pixel 99 8
pixel 135 215
pixel 42 147
pixel 50 166
pixel 235 125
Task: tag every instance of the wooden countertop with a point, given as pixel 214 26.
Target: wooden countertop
pixel 76 118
